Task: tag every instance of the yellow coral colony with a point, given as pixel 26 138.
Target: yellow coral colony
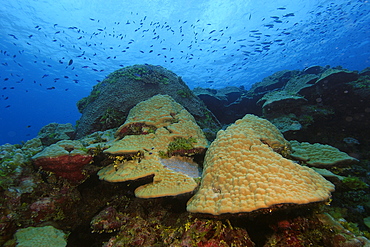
pixel 243 173
pixel 163 120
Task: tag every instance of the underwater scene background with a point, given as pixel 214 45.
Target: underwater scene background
pixel 185 123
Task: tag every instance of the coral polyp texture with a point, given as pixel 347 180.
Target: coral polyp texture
pixel 243 173
pixel 320 155
pixel 41 236
pixel 152 130
pixel 65 159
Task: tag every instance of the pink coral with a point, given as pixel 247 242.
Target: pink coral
pixel 66 166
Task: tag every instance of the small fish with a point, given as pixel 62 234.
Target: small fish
pixel 7 106
pixel 70 62
pixel 30 36
pixel 288 15
pixel 50 88
pixel 281 8
pixel 28 126
pixel 55 25
pixel 13 36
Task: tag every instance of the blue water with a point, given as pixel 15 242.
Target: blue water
pixel 53 52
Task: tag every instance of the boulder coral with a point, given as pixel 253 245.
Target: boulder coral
pixel 156 129
pixel 244 173
pixel 111 100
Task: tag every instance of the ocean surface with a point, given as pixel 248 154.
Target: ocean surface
pixel 53 52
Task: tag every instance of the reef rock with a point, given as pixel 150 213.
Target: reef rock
pixel 273 82
pixel 110 100
pixel 54 132
pixel 227 104
pixel 280 102
pixel 158 139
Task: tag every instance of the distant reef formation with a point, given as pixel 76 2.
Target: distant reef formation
pixel 317 104
pixel 110 100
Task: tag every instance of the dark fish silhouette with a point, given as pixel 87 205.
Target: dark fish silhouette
pixel 13 36
pixel 70 62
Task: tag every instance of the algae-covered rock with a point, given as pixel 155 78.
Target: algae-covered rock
pixel 228 104
pixel 314 69
pixel 280 102
pixel 54 132
pixel 273 82
pixel 287 123
pixel 110 100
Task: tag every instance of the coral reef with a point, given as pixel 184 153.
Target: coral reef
pixel 243 173
pixel 126 87
pixel 156 128
pixel 251 193
pixel 317 105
